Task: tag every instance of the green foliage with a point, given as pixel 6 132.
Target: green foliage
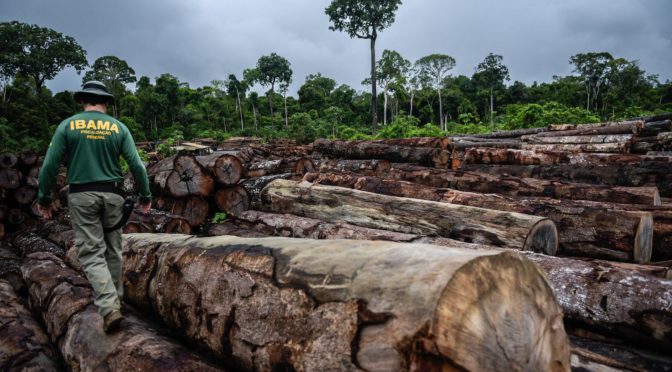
pixel 219 217
pixel 405 126
pixel 535 115
pixel 37 52
pixel 165 150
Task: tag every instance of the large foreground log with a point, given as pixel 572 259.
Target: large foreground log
pixel 371 150
pixel 23 344
pixel 477 225
pixel 63 298
pixel 303 304
pixel 589 229
pixel 520 186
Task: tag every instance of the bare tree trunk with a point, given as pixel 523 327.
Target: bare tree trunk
pixel 374 105
pixel 240 110
pixel 492 106
pixel 440 110
pixel 286 120
pixel 411 105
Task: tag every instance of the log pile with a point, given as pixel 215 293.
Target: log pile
pixel 583 202
pixel 18 190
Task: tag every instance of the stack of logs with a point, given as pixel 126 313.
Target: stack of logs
pixel 18 190
pixel 596 222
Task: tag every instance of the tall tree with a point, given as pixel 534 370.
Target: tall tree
pixel 492 72
pixel 115 73
pixel 593 68
pixel 363 19
pixel 433 70
pixel 37 52
pixel 237 87
pixel 270 70
pixel 390 69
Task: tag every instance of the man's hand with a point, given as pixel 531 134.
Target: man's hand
pixel 47 212
pixel 144 208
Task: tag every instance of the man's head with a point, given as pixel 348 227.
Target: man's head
pixel 93 93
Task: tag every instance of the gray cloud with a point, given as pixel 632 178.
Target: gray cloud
pixel 199 41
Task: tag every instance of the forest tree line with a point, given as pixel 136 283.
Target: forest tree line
pixel 414 97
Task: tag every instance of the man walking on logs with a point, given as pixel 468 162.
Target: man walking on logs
pixel 93 142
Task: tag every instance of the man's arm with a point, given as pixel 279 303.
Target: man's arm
pixel 49 170
pixel 130 154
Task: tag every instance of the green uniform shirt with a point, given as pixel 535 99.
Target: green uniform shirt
pixel 93 142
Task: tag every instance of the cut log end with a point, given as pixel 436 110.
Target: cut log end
pixel 497 298
pixel 228 170
pixel 644 240
pixel 303 166
pixel 543 238
pixel 232 200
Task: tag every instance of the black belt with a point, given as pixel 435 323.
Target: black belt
pixel 113 187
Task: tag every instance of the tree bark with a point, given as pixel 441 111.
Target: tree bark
pixel 591 355
pixel 232 200
pixel 517 133
pixel 193 209
pixel 8 160
pixel 181 176
pixel 374 96
pixel 612 300
pixel 253 186
pixel 63 298
pixel 24 345
pixel 325 305
pixel 625 127
pixel 226 168
pixel 594 139
pixel 10 178
pixel 442 142
pixel 294 165
pixel 517 186
pixel 368 167
pixel 466 145
pixel 579 147
pixel 647 174
pixel 469 224
pixel 372 150
pixel 587 229
pixel 529 157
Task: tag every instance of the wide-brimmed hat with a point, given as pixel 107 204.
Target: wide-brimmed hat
pixel 95 88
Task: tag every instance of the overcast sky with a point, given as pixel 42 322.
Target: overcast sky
pixel 202 40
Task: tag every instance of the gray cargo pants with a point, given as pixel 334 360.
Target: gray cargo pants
pixel 99 252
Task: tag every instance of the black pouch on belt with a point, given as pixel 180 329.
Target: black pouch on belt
pixel 128 209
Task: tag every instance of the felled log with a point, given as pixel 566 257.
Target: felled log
pixel 369 167
pixel 652 128
pixel 645 174
pixel 344 305
pixel 625 127
pixel 612 300
pixel 157 221
pixel 469 224
pixel 28 158
pixel 227 169
pixel 16 217
pixel 465 145
pixel 529 157
pixel 63 299
pixel 264 167
pixel 253 186
pixel 10 178
pixel 23 344
pixel 438 142
pixel 8 160
pixel 592 355
pixel 232 200
pixel 24 195
pixel 519 186
pixel 587 229
pixel 369 150
pixel 181 176
pixel 193 209
pixel 620 147
pixel 581 139
pixel 506 134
